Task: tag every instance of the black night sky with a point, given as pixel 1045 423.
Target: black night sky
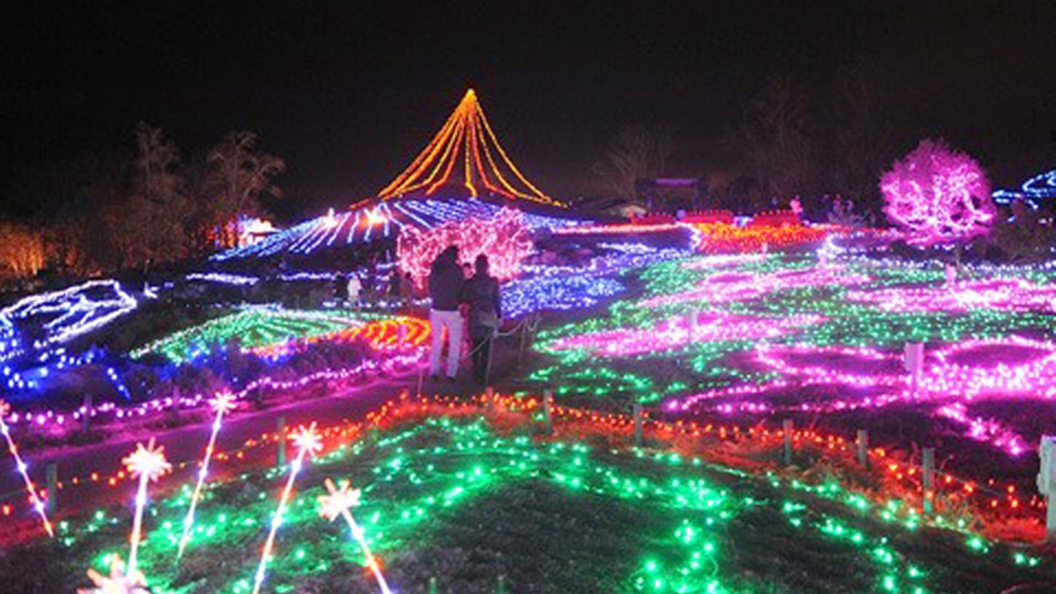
pixel 349 94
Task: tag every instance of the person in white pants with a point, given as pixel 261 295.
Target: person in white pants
pixel 445 291
pixel 452 321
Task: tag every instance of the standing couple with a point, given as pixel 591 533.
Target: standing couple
pixel 448 290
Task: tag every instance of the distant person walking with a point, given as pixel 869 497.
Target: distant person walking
pixel 445 293
pixel 394 288
pixel 485 315
pixel 354 287
pixel 406 292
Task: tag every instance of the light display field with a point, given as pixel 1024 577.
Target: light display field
pixel 440 495
pixel 780 335
pixel 271 331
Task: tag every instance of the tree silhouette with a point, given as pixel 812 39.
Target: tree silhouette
pixel 639 151
pixel 773 139
pixel 240 173
pixel 148 226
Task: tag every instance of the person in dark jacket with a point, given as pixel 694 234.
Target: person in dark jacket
pixel 445 292
pixel 481 293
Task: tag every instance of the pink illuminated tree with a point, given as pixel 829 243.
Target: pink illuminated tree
pixel 938 196
pixel 504 239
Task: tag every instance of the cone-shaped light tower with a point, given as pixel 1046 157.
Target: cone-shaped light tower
pixel 465 152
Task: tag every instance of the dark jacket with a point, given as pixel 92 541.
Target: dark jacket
pixel 481 293
pixel 445 285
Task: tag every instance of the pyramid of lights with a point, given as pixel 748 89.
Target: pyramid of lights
pixel 463 172
pixel 465 156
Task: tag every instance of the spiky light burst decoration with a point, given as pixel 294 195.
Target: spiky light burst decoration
pixel 339 502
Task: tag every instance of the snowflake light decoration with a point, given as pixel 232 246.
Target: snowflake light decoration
pixel 117 582
pixel 342 498
pixel 223 403
pixel 307 439
pixel 147 463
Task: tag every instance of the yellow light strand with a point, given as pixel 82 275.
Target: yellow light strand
pixel 430 158
pixel 469 149
pixel 478 141
pixel 466 126
pixel 541 197
pixel 448 146
pixel 454 147
pixel 510 190
pixel 420 163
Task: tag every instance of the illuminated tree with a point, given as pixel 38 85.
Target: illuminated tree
pixel 240 173
pixel 21 250
pixel 938 196
pixel 504 240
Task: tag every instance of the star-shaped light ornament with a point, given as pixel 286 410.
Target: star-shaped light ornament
pixel 117 582
pixel 147 462
pixel 339 502
pixel 342 498
pixel 223 403
pixel 307 439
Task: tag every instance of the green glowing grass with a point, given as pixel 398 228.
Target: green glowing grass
pixel 454 500
pixel 704 366
pixel 251 328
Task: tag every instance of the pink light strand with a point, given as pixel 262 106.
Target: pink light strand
pixel 38 505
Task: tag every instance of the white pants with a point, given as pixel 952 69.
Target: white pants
pixel 452 320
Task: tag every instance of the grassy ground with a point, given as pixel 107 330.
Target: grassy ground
pixel 462 502
pixel 723 366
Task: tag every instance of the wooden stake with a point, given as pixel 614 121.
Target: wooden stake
pixel 862 444
pixel 637 423
pixel 548 411
pixel 487 366
pixel 787 426
pixel 51 473
pixel 524 340
pixel 86 420
pixel 280 453
pixel 929 480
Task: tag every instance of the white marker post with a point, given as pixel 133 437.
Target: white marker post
pixel 787 427
pixel 1047 484
pixel 913 361
pixel 548 411
pixel 637 423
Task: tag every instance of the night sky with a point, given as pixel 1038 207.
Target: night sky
pixel 348 95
